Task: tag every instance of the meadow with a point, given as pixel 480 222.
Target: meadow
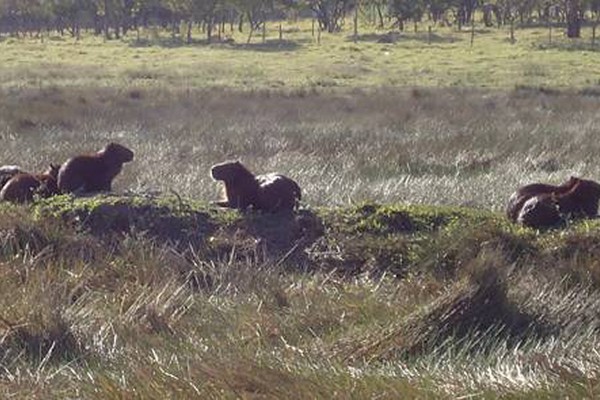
pixel 444 58
pixel 399 277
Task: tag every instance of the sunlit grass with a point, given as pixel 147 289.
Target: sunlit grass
pixel 444 146
pixel 445 59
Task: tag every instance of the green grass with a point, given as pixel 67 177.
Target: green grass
pixel 300 62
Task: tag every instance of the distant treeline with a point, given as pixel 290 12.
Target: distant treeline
pixel 113 18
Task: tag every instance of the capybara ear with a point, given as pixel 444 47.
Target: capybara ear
pixel 52 170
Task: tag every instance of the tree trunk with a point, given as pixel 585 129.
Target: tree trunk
pixel 209 28
pixel 573 19
pixel 380 15
pixel 106 20
pixel 189 32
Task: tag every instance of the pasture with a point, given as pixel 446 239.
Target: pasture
pixel 445 58
pixel 398 278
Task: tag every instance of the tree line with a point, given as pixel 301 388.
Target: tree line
pixel 114 18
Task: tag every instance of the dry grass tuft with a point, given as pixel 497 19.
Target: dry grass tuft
pixel 473 305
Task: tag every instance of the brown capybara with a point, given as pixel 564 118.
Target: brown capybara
pixel 277 192
pixel 270 192
pixel 7 172
pixel 539 212
pixel 22 187
pixel 93 172
pixel 549 209
pixel 581 200
pixel 524 193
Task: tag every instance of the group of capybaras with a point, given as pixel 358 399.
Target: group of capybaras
pixel 536 205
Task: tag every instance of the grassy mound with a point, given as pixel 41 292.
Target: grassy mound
pixel 368 238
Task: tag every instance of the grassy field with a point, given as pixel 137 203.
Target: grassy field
pixel 432 146
pixel 300 62
pixel 398 278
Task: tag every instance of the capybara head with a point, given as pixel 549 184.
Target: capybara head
pixel 230 171
pixel 52 171
pixel 582 198
pixel 117 153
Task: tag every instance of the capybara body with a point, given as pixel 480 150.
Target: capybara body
pixel 7 172
pixel 277 192
pixel 269 192
pixel 93 172
pixel 524 193
pixel 539 212
pixel 22 187
pixel 549 209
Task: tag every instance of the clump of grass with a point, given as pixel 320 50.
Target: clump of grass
pixel 477 304
pixel 42 338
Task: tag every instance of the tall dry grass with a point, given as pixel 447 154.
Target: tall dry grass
pixel 126 322
pixel 450 146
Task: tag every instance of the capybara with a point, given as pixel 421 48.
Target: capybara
pixel 539 212
pixel 277 192
pixel 549 209
pixel 22 187
pixel 270 192
pixel 7 172
pixel 93 172
pixel 524 193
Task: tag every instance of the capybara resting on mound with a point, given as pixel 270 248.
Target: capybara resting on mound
pixel 93 172
pixel 7 172
pixel 270 192
pixel 549 209
pixel 524 193
pixel 22 187
pixel 538 212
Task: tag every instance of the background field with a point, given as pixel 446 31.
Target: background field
pixel 300 62
pixel 434 294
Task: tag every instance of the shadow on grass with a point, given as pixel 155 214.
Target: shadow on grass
pixel 395 37
pixel 283 235
pixel 570 45
pixel 272 45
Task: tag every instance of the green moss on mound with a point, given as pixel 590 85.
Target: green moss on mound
pixel 367 238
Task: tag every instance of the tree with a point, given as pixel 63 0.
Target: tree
pixel 330 13
pixel 255 10
pixel 574 18
pixel 403 10
pixel 437 8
